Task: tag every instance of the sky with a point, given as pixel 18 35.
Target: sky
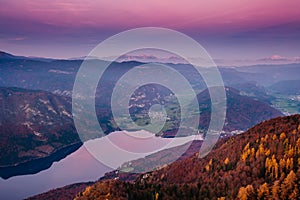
pixel 232 30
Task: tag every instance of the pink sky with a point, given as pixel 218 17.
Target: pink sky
pixel 172 13
pixel 214 23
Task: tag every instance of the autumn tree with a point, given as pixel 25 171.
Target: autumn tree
pixel 263 191
pixel 275 190
pixel 289 187
pixel 246 193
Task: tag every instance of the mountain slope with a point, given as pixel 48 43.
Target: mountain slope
pixel 66 192
pixel 267 75
pixel 287 87
pixel 242 111
pixel 262 163
pixel 4 55
pixel 33 125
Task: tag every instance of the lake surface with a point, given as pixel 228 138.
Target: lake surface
pixel 81 166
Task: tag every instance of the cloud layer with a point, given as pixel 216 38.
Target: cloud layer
pixel 228 29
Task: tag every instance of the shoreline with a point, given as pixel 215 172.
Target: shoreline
pixel 36 165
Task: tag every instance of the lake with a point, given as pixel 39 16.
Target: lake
pixel 81 166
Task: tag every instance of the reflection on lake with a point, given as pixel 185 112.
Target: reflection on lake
pixel 79 166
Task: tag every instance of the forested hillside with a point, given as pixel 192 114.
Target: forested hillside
pixel 262 163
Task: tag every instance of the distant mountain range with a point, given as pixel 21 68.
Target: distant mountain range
pixel 8 56
pixel 261 163
pixel 56 75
